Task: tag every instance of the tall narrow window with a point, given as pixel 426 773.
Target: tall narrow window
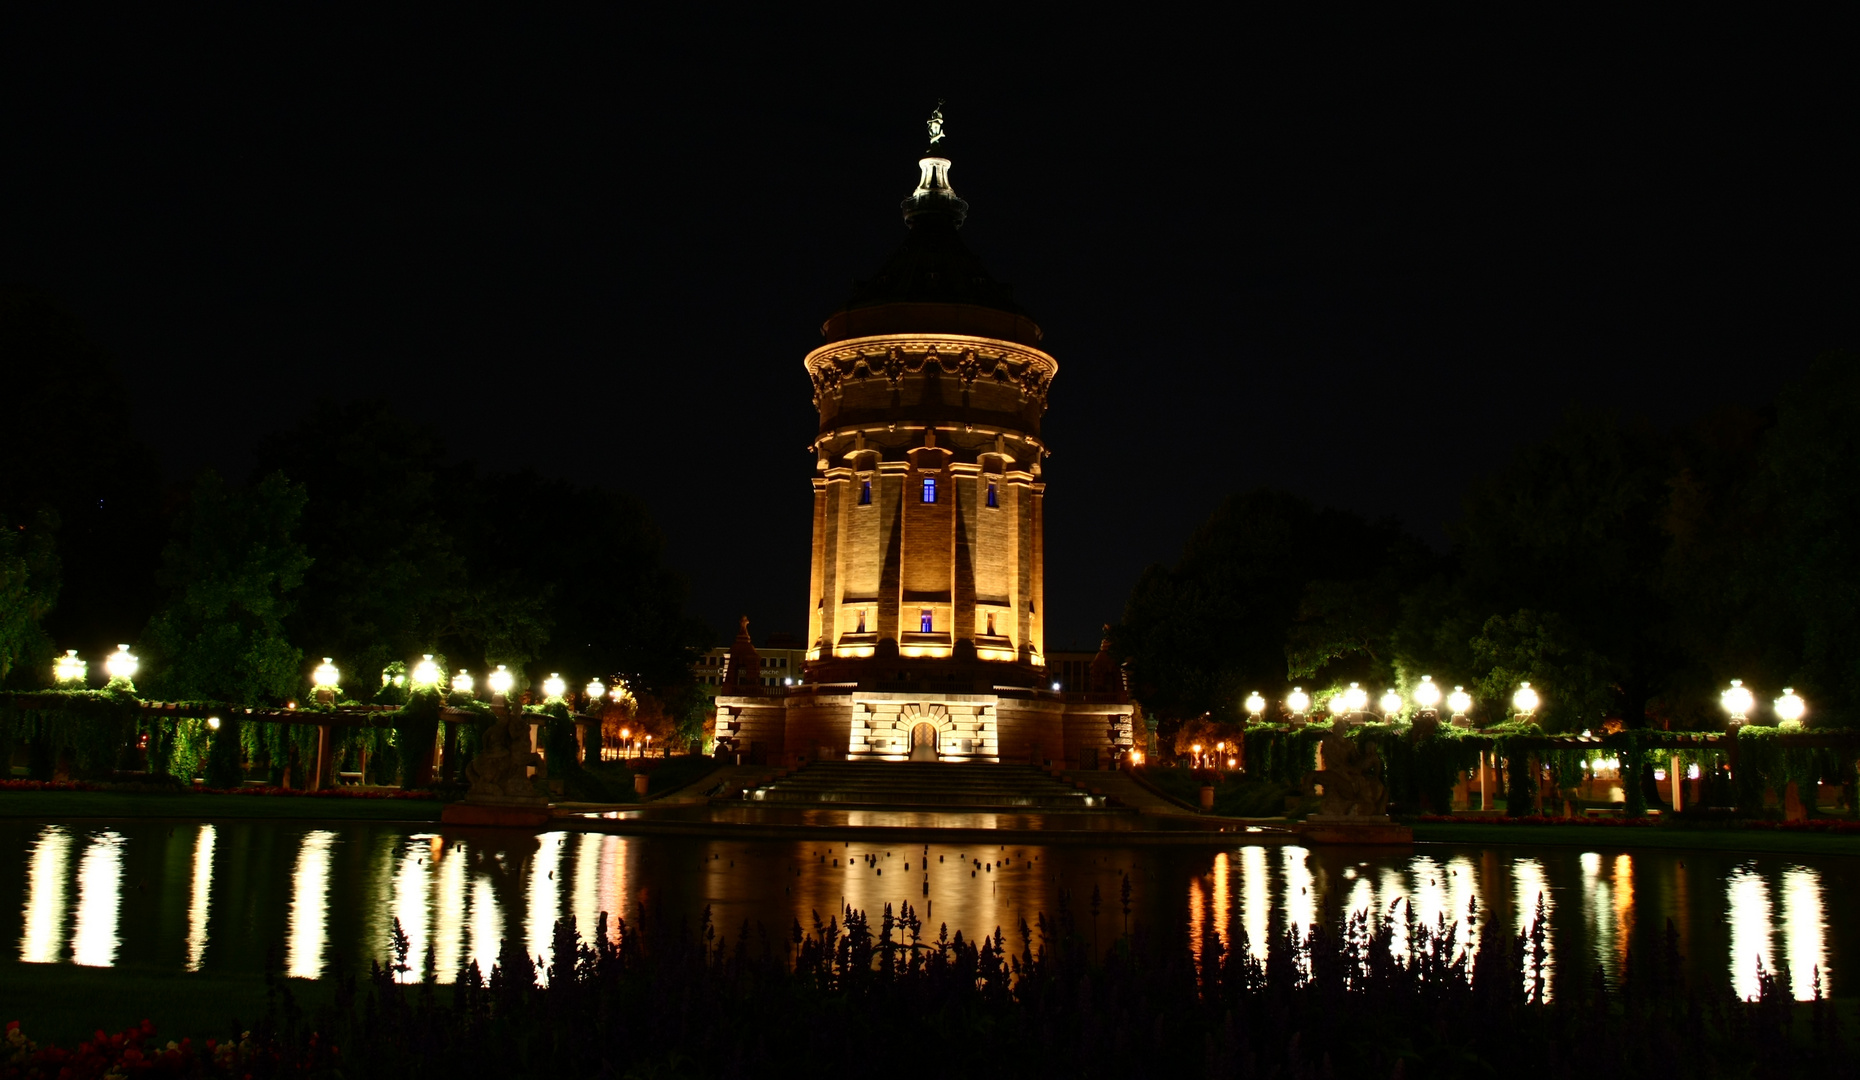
pixel 929 489
pixel 993 502
pixel 924 620
pixel 861 620
pixel 865 493
pixel 991 615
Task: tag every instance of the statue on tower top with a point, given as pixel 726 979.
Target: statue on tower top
pixel 935 123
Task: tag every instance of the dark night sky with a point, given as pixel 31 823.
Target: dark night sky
pixel 1361 262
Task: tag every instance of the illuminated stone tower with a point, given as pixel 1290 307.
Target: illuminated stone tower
pixel 928 546
pixel 927 592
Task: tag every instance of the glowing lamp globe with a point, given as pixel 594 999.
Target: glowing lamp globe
pixel 121 665
pixel 426 673
pixel 1356 699
pixel 462 683
pixel 1255 704
pixel 1525 701
pixel 325 677
pixel 1336 704
pixel 1790 708
pixel 1298 701
pixel 69 668
pixel 1459 701
pixel 1391 703
pixel 500 681
pixel 596 689
pixel 1427 694
pixel 213 722
pixel 1738 700
pixel 553 686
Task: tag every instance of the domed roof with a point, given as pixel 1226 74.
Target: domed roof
pixel 933 282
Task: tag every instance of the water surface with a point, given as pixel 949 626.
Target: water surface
pixel 222 896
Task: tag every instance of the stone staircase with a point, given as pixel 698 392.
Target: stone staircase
pixel 929 785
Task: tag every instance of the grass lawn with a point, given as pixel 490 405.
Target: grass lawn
pixel 64 1003
pixel 1652 836
pixel 112 804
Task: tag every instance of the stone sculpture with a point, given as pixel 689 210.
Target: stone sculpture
pixel 1351 780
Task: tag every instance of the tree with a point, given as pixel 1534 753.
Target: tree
pixel 388 575
pixel 1574 526
pixel 28 590
pixel 231 571
pixel 1267 586
pixel 1807 508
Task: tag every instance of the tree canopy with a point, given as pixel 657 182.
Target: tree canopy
pixel 1626 572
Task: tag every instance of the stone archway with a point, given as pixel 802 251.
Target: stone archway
pixel 923 741
pixel 929 725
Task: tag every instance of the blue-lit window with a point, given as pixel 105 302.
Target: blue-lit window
pixel 992 501
pixel 929 489
pixel 865 493
pixel 924 619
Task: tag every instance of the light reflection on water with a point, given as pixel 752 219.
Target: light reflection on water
pixel 325 896
pixel 200 898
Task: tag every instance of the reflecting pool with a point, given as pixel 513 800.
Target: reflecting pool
pixel 224 896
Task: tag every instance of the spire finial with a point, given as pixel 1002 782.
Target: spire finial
pixel 933 194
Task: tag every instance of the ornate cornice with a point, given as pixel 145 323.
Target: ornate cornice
pixel 893 356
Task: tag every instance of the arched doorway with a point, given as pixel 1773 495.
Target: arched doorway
pixel 923 742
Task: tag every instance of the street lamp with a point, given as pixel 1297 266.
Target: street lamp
pixel 1427 694
pixel 462 683
pixel 1355 699
pixel 425 673
pixel 596 689
pixel 1391 705
pixel 1737 701
pixel 1790 708
pixel 121 665
pixel 500 681
pixel 325 678
pixel 68 668
pixel 1459 701
pixel 1255 705
pixel 1525 701
pixel 1197 749
pixel 553 686
pixel 1298 701
pixel 1337 706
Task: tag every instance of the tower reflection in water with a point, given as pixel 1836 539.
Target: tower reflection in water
pixel 235 892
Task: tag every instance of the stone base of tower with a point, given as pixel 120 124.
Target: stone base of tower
pixel 788 726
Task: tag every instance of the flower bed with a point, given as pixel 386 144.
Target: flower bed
pixel 133 1052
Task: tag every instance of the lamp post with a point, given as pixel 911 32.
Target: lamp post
pixel 1299 703
pixel 1790 708
pixel 69 670
pixel 1459 701
pixel 1525 701
pixel 553 686
pixel 500 682
pixel 426 673
pixel 1391 706
pixel 1738 701
pixel 1427 696
pixel 325 679
pixel 120 665
pixel 1255 705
